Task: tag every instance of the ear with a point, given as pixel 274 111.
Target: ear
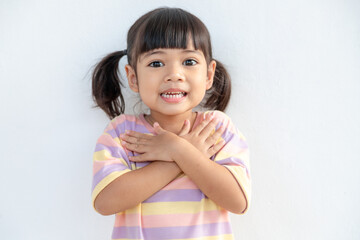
pixel 131 77
pixel 210 74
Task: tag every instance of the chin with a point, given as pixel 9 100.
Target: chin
pixel 174 111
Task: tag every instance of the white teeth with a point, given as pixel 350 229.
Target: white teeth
pixel 173 94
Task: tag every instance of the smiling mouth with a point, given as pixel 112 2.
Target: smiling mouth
pixel 173 94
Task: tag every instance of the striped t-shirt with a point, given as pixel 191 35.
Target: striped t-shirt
pixel 180 210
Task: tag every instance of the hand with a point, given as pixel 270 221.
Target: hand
pixel 151 148
pixel 202 138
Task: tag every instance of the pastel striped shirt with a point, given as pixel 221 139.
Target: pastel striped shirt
pixel 180 210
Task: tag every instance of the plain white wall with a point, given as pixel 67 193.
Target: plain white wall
pixel 295 67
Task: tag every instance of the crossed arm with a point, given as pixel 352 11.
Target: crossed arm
pixel 166 150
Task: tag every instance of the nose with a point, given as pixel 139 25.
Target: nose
pixel 175 73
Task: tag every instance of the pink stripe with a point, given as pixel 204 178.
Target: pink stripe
pixel 128 220
pixel 107 140
pixel 181 183
pixel 97 165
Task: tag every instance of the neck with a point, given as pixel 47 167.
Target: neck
pixel 171 123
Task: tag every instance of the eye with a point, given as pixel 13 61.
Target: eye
pixel 156 64
pixel 190 62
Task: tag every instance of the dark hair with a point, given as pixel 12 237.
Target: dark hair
pixel 159 28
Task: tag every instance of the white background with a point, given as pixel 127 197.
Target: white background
pixel 295 67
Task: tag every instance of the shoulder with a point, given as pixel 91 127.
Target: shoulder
pixel 124 118
pixel 125 122
pixel 224 120
pixel 220 116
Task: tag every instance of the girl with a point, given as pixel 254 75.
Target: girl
pixel 173 173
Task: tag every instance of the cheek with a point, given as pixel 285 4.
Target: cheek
pixel 148 80
pixel 147 92
pixel 202 75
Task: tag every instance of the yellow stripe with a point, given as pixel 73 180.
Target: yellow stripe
pixel 224 155
pixel 136 209
pixel 104 155
pixel 158 208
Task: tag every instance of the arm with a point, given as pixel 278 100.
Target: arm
pixel 214 180
pixel 125 188
pixel 115 186
pixel 135 186
pixel 225 181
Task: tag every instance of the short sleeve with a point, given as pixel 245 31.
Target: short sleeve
pixel 235 155
pixel 110 160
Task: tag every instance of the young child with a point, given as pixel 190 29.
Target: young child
pixel 173 173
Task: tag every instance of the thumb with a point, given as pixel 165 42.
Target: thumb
pixel 185 128
pixel 158 129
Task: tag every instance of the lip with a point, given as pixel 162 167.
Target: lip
pixel 173 90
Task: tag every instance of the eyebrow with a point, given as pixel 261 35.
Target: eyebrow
pixel 162 52
pixel 152 53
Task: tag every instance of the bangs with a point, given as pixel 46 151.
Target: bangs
pixel 166 31
pixel 172 28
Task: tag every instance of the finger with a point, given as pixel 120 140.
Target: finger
pixel 214 149
pixel 209 128
pixel 203 124
pixel 158 129
pixel 185 128
pixel 141 158
pixel 136 147
pixel 131 139
pixel 137 134
pixel 215 137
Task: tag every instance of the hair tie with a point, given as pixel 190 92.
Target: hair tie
pixel 125 52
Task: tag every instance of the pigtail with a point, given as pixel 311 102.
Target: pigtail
pixel 219 94
pixel 106 85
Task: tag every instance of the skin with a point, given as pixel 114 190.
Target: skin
pixel 179 68
pixel 157 71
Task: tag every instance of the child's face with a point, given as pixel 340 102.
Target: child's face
pixel 172 81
